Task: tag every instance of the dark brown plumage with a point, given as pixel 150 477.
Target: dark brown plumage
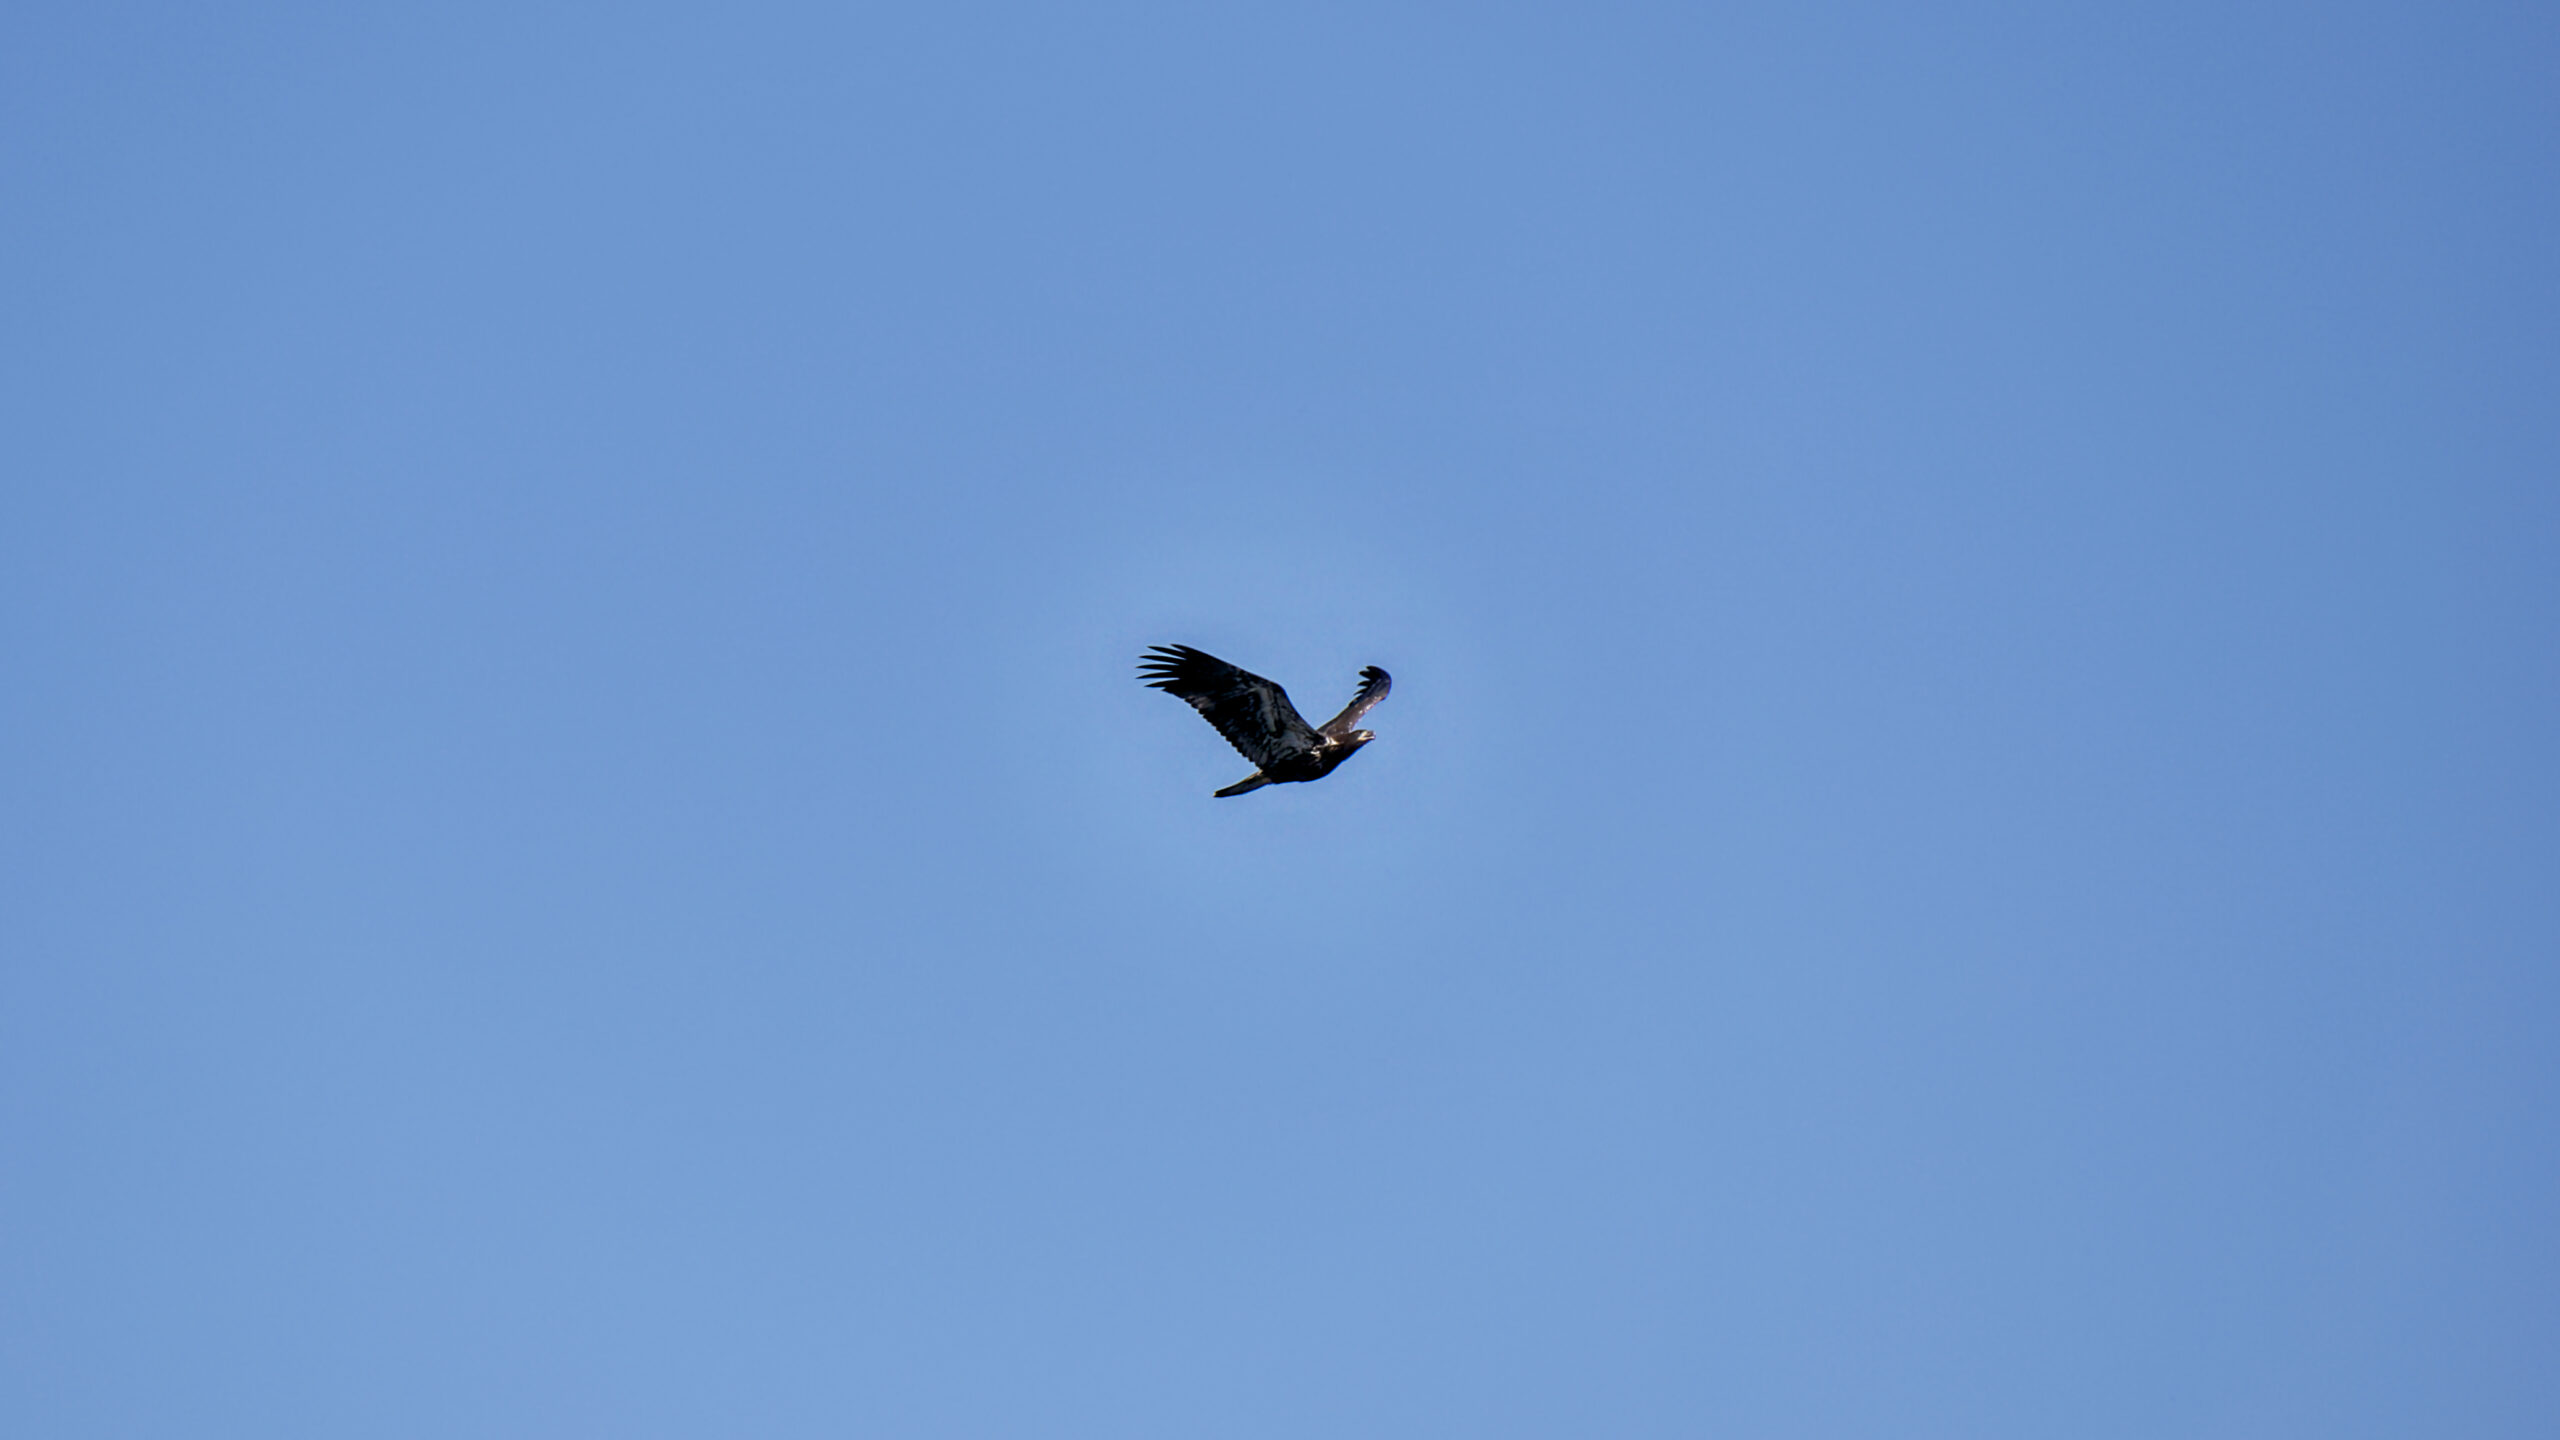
pixel 1257 718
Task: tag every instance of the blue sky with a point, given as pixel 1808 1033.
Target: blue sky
pixel 1965 844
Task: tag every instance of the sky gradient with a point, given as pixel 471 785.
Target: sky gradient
pixel 1967 842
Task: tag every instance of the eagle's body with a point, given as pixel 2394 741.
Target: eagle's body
pixel 1257 718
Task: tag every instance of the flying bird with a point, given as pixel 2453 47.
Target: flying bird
pixel 1257 718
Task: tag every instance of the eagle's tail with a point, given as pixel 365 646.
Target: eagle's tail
pixel 1254 781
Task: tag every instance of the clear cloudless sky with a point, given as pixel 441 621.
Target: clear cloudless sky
pixel 1967 842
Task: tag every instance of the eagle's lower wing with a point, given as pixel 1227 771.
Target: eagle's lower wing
pixel 1254 714
pixel 1373 688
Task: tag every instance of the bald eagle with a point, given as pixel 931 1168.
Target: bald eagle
pixel 1257 718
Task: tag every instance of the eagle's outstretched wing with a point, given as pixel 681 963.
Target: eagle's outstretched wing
pixel 1254 714
pixel 1373 688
